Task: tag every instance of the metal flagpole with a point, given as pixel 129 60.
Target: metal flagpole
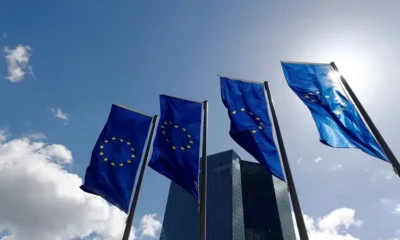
pixel 139 183
pixel 392 158
pixel 292 189
pixel 203 179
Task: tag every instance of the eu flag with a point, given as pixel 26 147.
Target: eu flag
pixel 116 157
pixel 338 122
pixel 251 126
pixel 176 147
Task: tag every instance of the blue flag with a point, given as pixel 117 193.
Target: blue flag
pixel 116 157
pixel 176 147
pixel 338 122
pixel 251 126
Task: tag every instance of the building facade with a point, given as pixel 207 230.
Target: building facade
pixel 243 202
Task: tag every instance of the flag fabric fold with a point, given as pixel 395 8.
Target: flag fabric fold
pixel 176 148
pixel 116 156
pixel 337 119
pixel 251 126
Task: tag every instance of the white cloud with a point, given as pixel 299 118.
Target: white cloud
pixel 318 159
pixel 57 152
pixel 397 209
pixel 17 60
pixel 390 205
pixel 333 226
pixel 336 167
pixel 41 200
pixel 3 135
pixel 150 225
pixel 58 113
pixel 36 136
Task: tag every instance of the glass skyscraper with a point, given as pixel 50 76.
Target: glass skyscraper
pixel 244 202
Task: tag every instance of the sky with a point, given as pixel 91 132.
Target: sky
pixel 63 63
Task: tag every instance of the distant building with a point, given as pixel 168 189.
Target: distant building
pixel 244 202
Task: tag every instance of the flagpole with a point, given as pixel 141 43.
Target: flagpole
pixel 292 189
pixel 388 152
pixel 139 183
pixel 203 178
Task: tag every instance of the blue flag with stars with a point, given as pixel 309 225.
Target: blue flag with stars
pixel 116 156
pixel 338 122
pixel 176 148
pixel 251 126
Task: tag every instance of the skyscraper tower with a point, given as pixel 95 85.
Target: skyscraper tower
pixel 244 201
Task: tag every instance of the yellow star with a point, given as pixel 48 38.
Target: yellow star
pixel 129 143
pixel 121 164
pixel 191 142
pixel 106 141
pixel 101 153
pixel 113 164
pixel 163 132
pixel 189 136
pixel 343 109
pixel 167 140
pixel 326 96
pixel 313 100
pixel 132 149
pixel 307 96
pixel 184 129
pixel 129 161
pixel 121 140
pixel 105 159
pixel 173 147
pixel 133 156
pixel 337 113
pixel 317 92
pixel 337 98
pixel 242 109
pixel 165 122
pixel 113 138
pixel 101 147
pixel 176 126
pixel 257 118
pixel 259 127
pixel 254 131
pixel 234 112
pixel 183 149
pixel 188 146
pixel 261 123
pixel 162 127
pixel 251 113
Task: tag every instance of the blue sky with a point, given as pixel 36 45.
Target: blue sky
pixel 86 55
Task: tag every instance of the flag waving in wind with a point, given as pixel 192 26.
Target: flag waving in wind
pixel 338 122
pixel 116 157
pixel 251 126
pixel 176 147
